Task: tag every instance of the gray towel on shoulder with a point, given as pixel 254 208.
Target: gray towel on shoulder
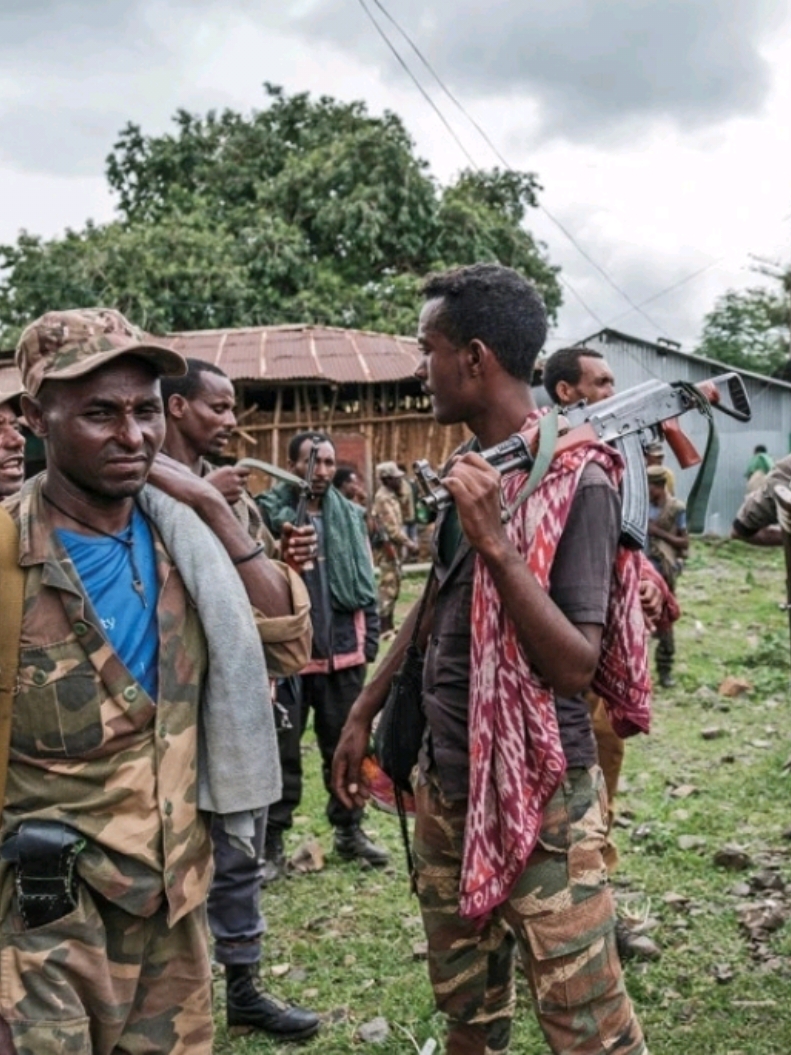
pixel 238 762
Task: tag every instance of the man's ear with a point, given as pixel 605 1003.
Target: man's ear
pixel 176 406
pixel 33 413
pixel 477 354
pixel 565 393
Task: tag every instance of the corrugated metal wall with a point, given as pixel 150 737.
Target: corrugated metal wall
pixel 634 362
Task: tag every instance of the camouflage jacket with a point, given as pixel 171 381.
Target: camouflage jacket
pixel 249 516
pixel 387 513
pixel 758 510
pixel 91 749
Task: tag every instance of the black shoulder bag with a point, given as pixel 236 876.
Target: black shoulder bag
pixel 399 733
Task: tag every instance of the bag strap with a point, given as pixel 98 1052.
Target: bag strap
pixel 12 592
pixel 422 609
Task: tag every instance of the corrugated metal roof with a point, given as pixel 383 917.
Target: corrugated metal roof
pixel 302 353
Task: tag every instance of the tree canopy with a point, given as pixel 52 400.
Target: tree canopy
pixel 749 329
pixel 308 211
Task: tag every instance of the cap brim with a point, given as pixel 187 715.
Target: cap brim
pixel 167 362
pixel 12 397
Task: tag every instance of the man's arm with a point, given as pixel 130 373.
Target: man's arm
pixel 756 521
pixel 565 653
pixel 388 513
pixel 347 782
pixel 266 587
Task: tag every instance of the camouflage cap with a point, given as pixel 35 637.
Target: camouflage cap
pixel 388 470
pixel 62 345
pixel 657 474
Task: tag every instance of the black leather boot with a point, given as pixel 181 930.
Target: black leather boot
pixel 248 1008
pixel 352 844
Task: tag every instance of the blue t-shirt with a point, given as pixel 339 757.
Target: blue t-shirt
pixel 107 568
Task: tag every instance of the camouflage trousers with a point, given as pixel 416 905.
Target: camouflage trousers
pixel 560 916
pixel 101 981
pixel 389 586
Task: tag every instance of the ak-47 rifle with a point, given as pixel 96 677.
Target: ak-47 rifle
pixel 626 421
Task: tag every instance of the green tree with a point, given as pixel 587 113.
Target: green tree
pixel 749 329
pixel 310 210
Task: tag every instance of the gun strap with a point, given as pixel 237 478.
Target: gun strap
pixel 547 441
pixel 12 590
pixel 698 499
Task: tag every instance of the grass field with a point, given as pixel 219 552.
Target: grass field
pixel 711 776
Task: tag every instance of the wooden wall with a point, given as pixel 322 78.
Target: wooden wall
pixel 369 424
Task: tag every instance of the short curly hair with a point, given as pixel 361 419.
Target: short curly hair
pixel 493 304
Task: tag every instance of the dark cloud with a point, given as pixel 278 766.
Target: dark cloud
pixel 596 67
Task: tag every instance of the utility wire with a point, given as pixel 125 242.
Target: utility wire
pixel 417 84
pixel 558 223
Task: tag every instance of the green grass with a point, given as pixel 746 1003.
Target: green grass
pixel 349 935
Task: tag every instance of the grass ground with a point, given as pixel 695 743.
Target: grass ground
pixel 711 775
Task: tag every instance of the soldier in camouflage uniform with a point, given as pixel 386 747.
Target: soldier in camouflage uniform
pixel 512 639
pixel 389 522
pixel 103 760
pixel 199 411
pixel 12 445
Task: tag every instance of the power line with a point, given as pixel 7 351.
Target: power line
pixel 417 83
pixel 558 223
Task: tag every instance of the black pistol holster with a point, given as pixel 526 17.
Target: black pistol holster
pixel 44 854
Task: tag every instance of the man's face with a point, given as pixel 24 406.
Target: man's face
pixel 441 367
pixel 323 470
pixel 392 483
pixel 596 382
pixel 207 420
pixel 656 493
pixel 12 449
pixel 103 430
pixel 352 488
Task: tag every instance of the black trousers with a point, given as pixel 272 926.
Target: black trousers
pixel 330 697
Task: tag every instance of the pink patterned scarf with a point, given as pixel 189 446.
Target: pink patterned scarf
pixel 516 758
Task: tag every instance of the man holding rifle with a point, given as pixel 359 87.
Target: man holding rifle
pixel 533 602
pixel 345 639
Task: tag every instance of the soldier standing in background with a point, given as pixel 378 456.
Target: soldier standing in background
pixel 12 446
pixel 668 543
pixel 389 521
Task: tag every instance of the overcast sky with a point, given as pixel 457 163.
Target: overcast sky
pixel 659 128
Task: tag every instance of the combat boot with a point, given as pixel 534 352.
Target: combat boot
pixel 352 844
pixel 247 1008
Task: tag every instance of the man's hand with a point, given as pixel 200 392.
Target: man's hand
pixel 348 782
pixel 298 546
pixel 230 481
pixel 181 483
pixel 475 486
pixel 651 601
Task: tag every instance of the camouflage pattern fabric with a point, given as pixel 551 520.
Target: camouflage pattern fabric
pixel 88 745
pixel 389 585
pixel 560 915
pixel 66 344
pixel 387 513
pixel 103 981
pixel 758 510
pixel 249 516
